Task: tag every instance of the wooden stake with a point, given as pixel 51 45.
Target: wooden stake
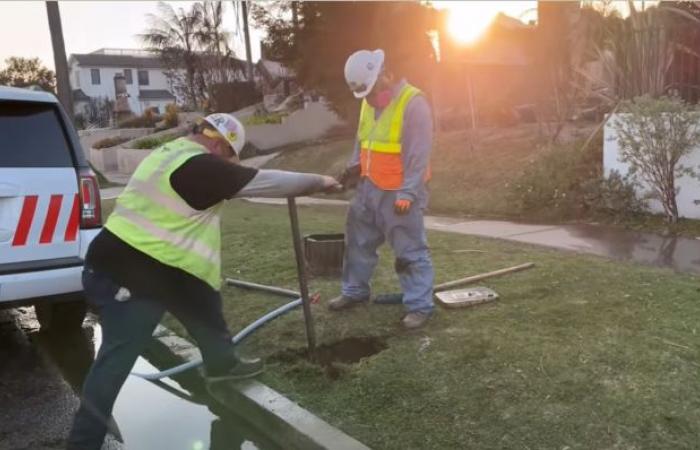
pixel 482 276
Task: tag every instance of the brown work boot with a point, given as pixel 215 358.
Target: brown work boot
pixel 342 302
pixel 415 320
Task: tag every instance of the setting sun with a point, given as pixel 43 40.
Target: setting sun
pixel 469 19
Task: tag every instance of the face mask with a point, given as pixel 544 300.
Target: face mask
pixel 380 99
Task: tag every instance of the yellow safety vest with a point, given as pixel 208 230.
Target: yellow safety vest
pixel 380 140
pixel 151 217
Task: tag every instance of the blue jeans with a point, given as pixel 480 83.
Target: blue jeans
pixel 127 327
pixel 371 221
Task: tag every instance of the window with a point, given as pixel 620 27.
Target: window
pixel 143 77
pixel 32 136
pixel 95 75
pixel 76 76
pixel 128 76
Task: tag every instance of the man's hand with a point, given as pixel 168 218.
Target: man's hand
pixel 331 185
pixel 350 177
pixel 402 206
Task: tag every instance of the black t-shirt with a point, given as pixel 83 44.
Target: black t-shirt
pixel 202 181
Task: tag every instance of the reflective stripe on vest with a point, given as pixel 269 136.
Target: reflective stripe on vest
pixel 380 140
pixel 151 217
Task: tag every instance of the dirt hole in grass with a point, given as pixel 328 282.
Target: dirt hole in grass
pixel 331 357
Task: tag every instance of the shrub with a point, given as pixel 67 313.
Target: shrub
pixel 613 196
pixel 147 120
pixel 153 142
pixel 170 118
pixel 653 136
pixel 551 186
pixel 109 142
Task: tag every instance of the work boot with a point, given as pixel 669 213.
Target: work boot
pixel 415 320
pixel 243 368
pixel 342 302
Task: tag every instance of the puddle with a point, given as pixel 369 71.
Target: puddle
pixel 331 357
pixel 147 416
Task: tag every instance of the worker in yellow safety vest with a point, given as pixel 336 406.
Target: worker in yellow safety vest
pixel 160 250
pixel 391 161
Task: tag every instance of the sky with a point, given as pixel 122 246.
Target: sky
pixel 87 26
pixel 90 25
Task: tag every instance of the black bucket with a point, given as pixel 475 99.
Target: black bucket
pixel 324 254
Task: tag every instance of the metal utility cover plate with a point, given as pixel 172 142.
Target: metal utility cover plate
pixel 462 298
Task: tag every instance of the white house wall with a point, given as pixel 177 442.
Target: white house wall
pixel 689 187
pixel 81 78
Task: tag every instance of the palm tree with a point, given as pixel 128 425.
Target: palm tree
pixel 175 36
pixel 214 40
pixel 59 57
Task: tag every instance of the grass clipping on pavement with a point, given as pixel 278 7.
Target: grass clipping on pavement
pixel 578 353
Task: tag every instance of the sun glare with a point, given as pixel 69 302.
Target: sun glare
pixel 467 23
pixel 468 20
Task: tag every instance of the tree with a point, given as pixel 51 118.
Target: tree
pixel 216 60
pixel 315 39
pixel 174 36
pixel 25 72
pixel 653 136
pixel 637 53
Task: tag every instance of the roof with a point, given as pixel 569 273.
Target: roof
pixel 276 69
pixel 26 95
pixel 121 61
pixel 80 96
pixel 155 94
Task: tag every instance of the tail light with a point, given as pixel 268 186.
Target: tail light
pixel 90 207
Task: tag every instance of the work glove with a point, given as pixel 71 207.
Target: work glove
pixel 402 206
pixel 350 177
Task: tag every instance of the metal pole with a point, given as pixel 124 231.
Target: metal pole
pixel 261 287
pixel 246 34
pixel 301 271
pixel 65 95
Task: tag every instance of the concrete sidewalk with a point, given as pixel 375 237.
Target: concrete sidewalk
pixel 677 253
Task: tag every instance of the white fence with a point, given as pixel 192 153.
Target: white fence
pixel 689 187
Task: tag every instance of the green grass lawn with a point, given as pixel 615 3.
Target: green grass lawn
pixel 579 353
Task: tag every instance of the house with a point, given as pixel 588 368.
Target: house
pixel 276 81
pixel 92 76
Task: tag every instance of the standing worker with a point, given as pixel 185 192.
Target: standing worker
pixel 391 159
pixel 160 251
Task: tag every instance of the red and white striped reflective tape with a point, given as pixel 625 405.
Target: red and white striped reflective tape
pixel 26 219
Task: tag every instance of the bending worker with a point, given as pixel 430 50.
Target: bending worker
pixel 391 158
pixel 160 251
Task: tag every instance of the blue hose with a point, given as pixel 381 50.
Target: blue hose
pixel 244 333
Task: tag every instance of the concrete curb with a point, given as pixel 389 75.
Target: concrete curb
pixel 281 420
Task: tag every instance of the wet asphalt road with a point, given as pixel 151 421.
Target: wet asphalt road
pixel 38 375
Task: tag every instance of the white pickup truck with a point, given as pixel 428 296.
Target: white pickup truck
pixel 49 208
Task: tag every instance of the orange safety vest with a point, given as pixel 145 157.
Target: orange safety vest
pixel 380 141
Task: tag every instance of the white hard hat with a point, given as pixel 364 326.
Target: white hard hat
pixel 362 70
pixel 230 128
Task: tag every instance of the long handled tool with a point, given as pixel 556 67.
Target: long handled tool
pixel 302 299
pixel 301 272
pixel 396 298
